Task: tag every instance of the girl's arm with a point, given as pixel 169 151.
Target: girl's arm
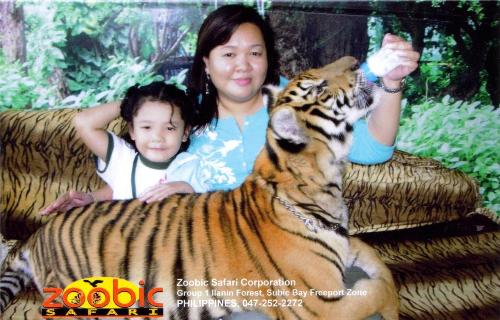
pixel 74 199
pixel 91 123
pixel 163 190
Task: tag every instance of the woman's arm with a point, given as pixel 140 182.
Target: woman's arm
pixel 91 123
pixel 383 122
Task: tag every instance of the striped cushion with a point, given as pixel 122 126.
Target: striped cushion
pixel 407 192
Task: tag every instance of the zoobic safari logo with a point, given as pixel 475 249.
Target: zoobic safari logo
pixel 102 297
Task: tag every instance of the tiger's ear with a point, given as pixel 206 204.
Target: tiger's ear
pixel 287 130
pixel 270 93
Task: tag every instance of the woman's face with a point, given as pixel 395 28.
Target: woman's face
pixel 238 68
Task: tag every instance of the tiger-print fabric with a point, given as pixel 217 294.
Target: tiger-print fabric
pixel 41 158
pixel 25 306
pixel 407 192
pixel 445 273
pixel 285 226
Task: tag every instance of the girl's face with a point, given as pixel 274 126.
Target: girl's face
pixel 157 133
pixel 238 68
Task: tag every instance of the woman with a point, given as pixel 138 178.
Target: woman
pixel 235 57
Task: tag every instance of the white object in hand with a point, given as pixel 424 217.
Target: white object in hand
pixel 383 61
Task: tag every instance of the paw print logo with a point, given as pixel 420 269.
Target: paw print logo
pixel 76 299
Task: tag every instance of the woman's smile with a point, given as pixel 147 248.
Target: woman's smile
pixel 243 81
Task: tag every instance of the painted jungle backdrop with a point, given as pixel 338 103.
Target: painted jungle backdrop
pixel 71 54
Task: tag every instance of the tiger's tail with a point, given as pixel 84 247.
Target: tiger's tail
pixel 16 274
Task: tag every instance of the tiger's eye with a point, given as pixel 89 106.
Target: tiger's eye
pixel 355 66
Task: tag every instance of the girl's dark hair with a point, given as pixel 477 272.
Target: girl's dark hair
pixel 216 30
pixel 137 95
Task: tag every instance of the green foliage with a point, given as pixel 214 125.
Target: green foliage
pixel 437 3
pixel 179 80
pixel 189 43
pixel 119 73
pixel 127 72
pixel 19 90
pixel 131 19
pixel 462 135
pixel 442 63
pixel 44 40
pixel 473 6
pixel 16 89
pixel 375 34
pixel 92 21
pixel 440 67
pixel 94 32
pixel 78 54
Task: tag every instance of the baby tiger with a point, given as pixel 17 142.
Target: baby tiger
pixel 285 227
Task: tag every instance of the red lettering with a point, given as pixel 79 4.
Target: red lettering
pixel 95 300
pixel 117 291
pixel 48 302
pixel 151 300
pixel 100 297
pixel 141 294
pixel 77 301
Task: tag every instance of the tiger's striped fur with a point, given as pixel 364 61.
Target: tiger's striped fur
pixel 251 232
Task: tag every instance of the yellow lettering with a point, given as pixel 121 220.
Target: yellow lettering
pixel 50 312
pixel 71 312
pixel 112 312
pixel 132 312
pixel 153 312
pixel 91 311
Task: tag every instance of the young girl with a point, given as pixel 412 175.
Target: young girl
pixel 141 164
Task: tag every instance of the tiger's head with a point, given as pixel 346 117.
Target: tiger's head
pixel 311 120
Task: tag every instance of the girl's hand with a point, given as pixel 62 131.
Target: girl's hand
pixel 162 190
pixel 67 201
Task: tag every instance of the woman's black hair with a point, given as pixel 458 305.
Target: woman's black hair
pixel 216 30
pixel 137 95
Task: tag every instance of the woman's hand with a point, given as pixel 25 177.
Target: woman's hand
pixel 407 57
pixel 68 201
pixel 163 190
